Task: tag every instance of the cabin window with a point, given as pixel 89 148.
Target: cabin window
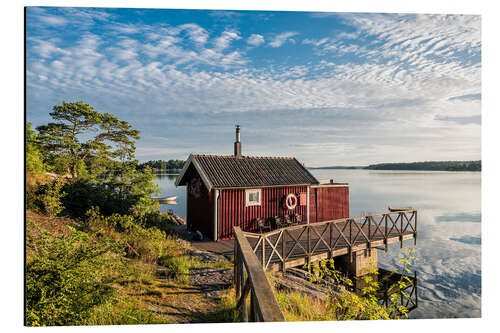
pixel 252 197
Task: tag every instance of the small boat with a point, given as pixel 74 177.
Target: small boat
pixel 399 209
pixel 170 200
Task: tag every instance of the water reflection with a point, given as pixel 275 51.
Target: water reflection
pixel 169 176
pixel 468 240
pixel 462 217
pixel 388 286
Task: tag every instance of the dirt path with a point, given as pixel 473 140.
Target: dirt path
pixel 196 301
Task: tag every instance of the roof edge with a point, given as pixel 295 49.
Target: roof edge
pixel 192 160
pixel 184 169
pixel 308 172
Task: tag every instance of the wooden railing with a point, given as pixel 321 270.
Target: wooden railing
pixel 287 246
pixel 263 304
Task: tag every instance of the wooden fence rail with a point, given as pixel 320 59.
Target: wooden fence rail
pixel 288 247
pixel 263 304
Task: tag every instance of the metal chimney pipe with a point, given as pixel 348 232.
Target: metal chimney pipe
pixel 237 144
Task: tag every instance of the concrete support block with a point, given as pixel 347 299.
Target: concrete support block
pixel 361 263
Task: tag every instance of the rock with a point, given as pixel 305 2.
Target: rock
pixel 175 219
pixel 291 281
pixel 204 256
pixel 198 235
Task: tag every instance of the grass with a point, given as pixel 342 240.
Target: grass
pixel 176 267
pixel 124 311
pixel 217 264
pixel 225 311
pixel 299 307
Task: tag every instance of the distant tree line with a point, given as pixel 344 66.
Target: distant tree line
pixel 436 166
pixel 159 165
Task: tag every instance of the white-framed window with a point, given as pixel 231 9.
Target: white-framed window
pixel 252 197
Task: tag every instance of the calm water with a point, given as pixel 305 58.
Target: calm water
pixel 449 226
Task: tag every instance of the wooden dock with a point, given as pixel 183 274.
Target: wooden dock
pixel 302 244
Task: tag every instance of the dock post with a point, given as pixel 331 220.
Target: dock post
pixel 350 231
pixel 369 228
pixel 283 250
pixel 244 315
pixel 237 277
pixel 401 236
pixel 263 252
pixel 309 248
pixel 415 233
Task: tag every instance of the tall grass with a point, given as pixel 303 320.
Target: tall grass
pixel 123 311
pixel 176 266
pixel 300 307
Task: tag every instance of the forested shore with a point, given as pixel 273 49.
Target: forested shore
pixel 162 165
pixel 416 166
pixel 429 166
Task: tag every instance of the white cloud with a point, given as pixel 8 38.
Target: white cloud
pixel 53 20
pixel 47 48
pixel 282 38
pixel 196 33
pixel 315 42
pixel 255 39
pixel 225 39
pixel 126 28
pixel 161 47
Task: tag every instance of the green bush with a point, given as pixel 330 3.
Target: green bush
pixel 94 220
pixel 49 197
pixel 138 242
pixel 34 160
pixel 365 306
pixel 176 266
pixel 66 276
pixel 347 305
pixel 83 194
pixel 145 244
pixel 155 219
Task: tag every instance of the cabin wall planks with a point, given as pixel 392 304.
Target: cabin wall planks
pixel 232 211
pixel 328 203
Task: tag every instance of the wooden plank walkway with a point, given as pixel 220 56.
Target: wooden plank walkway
pixel 302 244
pixel 223 247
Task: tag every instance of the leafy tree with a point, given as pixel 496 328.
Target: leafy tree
pixel 82 134
pixel 97 149
pixel 34 161
pixel 50 196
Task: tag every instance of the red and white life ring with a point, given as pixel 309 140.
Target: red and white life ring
pixel 291 201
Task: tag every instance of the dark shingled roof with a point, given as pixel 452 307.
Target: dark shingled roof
pixel 248 171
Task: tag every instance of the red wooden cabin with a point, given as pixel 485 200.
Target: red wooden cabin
pixel 235 190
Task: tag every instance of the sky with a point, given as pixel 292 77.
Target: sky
pixel 327 88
